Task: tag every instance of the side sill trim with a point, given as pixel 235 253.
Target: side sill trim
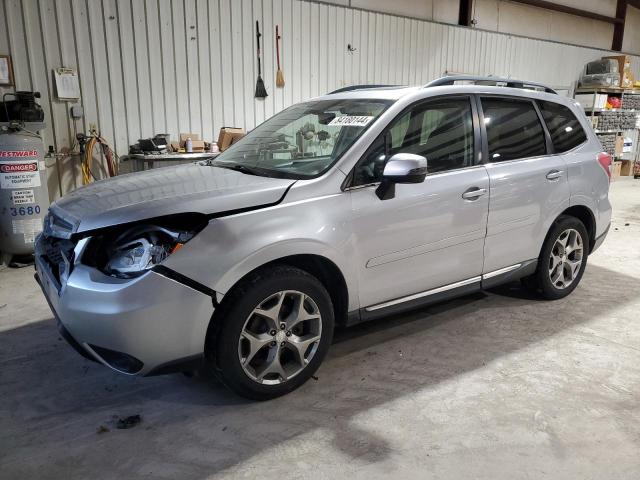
pixel 427 293
pixel 500 271
pixel 444 288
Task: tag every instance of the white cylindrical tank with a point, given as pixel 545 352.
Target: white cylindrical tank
pixel 24 196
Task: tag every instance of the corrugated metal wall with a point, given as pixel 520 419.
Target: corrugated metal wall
pixel 170 66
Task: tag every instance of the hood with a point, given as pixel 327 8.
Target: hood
pixel 165 191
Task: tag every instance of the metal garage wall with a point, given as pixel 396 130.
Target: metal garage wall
pixel 155 66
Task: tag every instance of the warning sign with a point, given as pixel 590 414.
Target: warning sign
pixel 22 197
pixel 19 174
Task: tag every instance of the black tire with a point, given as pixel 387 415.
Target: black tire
pixel 236 308
pixel 540 280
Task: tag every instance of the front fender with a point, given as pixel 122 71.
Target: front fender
pixel 231 247
pixel 284 249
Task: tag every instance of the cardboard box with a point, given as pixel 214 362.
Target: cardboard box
pixel 184 136
pixel 615 170
pixel 589 100
pixel 198 145
pixel 228 136
pixel 624 67
pixel 626 168
pixel 619 145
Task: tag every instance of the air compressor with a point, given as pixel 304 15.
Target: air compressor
pixel 24 196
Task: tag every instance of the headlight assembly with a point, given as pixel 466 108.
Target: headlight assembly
pixel 141 248
pixel 129 250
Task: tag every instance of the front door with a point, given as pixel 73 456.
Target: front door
pixel 430 234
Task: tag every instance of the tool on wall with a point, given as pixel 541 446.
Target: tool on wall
pixel 261 91
pixel 279 74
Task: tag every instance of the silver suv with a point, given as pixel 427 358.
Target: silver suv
pixel 354 205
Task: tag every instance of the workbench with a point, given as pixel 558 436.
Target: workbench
pixel 140 161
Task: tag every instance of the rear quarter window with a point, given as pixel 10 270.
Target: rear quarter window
pixel 564 128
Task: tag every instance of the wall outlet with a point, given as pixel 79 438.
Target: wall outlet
pixel 77 112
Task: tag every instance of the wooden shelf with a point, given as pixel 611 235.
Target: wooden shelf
pixel 607 90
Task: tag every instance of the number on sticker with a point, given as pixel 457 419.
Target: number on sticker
pixel 24 211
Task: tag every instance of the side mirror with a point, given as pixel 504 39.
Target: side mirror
pixel 401 168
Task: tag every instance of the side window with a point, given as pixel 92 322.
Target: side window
pixel 513 129
pixel 441 131
pixel 564 128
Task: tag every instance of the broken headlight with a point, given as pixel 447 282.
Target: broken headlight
pixel 129 250
pixel 141 248
pixel 137 250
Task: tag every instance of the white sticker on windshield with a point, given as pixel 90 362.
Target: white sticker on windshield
pixel 351 121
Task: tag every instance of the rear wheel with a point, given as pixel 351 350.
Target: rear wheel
pixel 276 329
pixel 563 259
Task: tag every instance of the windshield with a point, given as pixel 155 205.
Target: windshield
pixel 304 140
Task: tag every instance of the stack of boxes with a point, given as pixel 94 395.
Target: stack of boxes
pixel 608 143
pixel 617 120
pixel 631 101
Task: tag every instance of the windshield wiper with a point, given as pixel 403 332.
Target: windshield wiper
pixel 240 168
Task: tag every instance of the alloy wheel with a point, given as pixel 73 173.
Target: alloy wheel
pixel 565 259
pixel 280 337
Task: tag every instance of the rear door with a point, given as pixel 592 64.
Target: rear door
pixel 528 183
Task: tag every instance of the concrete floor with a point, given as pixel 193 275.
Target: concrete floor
pixel 491 386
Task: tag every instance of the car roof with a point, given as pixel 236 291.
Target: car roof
pixel 413 93
pixel 386 93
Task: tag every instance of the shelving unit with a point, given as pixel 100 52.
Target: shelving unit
pixel 595 112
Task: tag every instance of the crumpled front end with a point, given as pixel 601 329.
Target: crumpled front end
pixel 138 325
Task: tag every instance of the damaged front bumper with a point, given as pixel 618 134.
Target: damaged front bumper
pixel 139 326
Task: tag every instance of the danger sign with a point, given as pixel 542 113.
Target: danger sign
pixel 18 167
pixel 19 174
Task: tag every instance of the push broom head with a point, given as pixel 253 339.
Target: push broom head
pixel 261 91
pixel 279 79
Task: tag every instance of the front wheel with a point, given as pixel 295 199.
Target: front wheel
pixel 563 259
pixel 276 329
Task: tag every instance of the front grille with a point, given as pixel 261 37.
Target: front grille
pixel 58 255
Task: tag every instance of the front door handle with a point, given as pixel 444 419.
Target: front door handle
pixel 554 174
pixel 474 193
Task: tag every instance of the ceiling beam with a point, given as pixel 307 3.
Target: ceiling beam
pixel 618 28
pixel 634 3
pixel 570 10
pixel 464 16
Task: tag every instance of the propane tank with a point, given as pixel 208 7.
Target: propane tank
pixel 24 196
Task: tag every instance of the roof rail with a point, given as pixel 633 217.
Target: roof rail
pixel 362 87
pixel 499 82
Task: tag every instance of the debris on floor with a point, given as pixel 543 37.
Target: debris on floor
pixel 102 429
pixel 128 422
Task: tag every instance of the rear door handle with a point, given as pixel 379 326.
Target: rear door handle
pixel 474 193
pixel 554 174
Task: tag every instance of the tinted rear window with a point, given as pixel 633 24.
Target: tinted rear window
pixel 513 129
pixel 564 128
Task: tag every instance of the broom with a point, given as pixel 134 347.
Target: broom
pixel 261 92
pixel 279 74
